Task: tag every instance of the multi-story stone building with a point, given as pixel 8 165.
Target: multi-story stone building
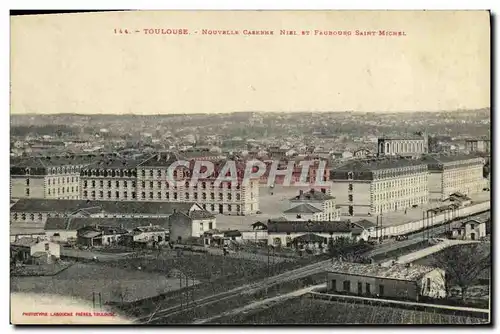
pixel 51 177
pixel 109 179
pixel 238 197
pixel 373 187
pixel 478 145
pixel 450 174
pixel 314 205
pixel 411 145
pixel 36 211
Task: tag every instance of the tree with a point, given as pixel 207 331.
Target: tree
pixel 463 264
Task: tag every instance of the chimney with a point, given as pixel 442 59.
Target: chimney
pixel 312 191
pixel 175 210
pixel 301 192
pixel 37 239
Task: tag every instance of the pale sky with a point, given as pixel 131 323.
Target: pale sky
pixel 74 63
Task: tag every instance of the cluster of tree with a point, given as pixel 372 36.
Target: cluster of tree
pixel 463 265
pixel 48 129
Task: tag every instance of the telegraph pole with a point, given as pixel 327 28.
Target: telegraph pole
pixel 268 261
pixel 423 225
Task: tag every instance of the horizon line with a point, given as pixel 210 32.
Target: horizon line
pixel 255 112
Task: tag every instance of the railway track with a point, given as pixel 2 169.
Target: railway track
pixel 247 289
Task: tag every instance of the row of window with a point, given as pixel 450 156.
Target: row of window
pixel 222 185
pixel 110 173
pixel 109 193
pixel 61 180
pixel 400 182
pixel 398 205
pixel 150 195
pixel 62 170
pixel 210 224
pixel 61 190
pixel 109 184
pixel 398 194
pixel 346 287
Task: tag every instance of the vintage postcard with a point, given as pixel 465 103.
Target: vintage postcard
pixel 250 167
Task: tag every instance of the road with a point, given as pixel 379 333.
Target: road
pixel 89 255
pixel 420 236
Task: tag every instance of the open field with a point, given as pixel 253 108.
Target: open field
pixel 309 311
pixel 202 266
pixel 114 284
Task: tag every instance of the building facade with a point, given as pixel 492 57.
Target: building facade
pixel 449 174
pixel 314 205
pixel 109 179
pixel 185 226
pixel 35 212
pixel 285 233
pixel 50 177
pixel 238 197
pixel 372 187
pixel 414 145
pixel 397 281
pixel 478 145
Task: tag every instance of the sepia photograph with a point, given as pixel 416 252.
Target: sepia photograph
pixel 285 167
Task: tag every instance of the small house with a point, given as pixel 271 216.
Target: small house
pixel 468 230
pixel 397 281
pixel 34 251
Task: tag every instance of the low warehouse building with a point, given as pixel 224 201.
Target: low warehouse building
pixel 397 281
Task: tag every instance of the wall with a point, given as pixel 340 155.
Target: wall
pixel 180 226
pixel 283 236
pixel 202 225
pixel 435 186
pixel 254 235
pixel 392 288
pixel 64 235
pixel 437 287
pixel 54 248
pixel 18 186
pixel 419 224
pixel 361 196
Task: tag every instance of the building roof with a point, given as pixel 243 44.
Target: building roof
pixel 310 237
pixel 26 242
pixel 366 224
pixel 436 159
pixel 396 271
pixel 232 233
pixel 312 195
pixel 75 223
pixel 406 136
pixel 162 159
pixel 125 207
pixel 153 228
pixel 303 208
pixel 378 164
pixel 312 226
pixel 201 214
pixel 53 161
pixel 113 163
pixel 93 231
